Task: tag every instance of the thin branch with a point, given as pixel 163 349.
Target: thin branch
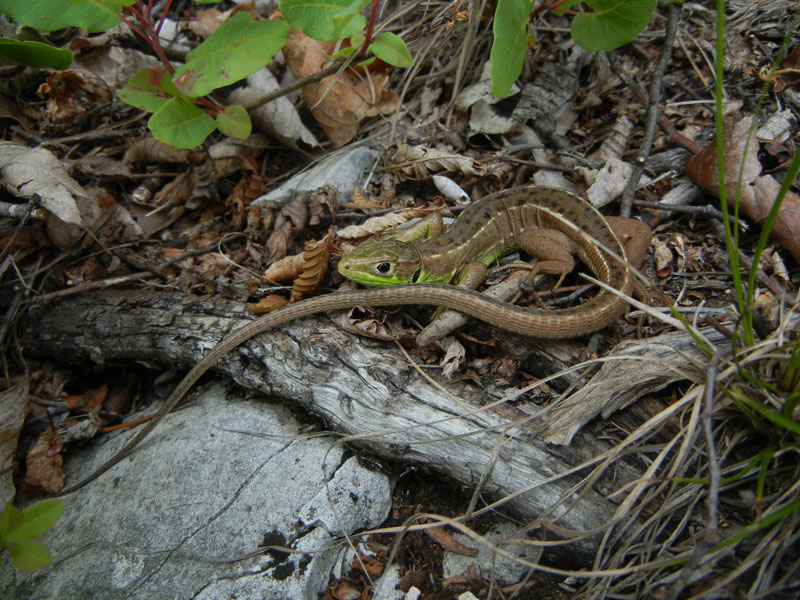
pixel 673 13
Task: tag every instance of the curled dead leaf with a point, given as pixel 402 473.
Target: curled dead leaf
pixel 73 92
pixel 443 537
pixel 420 161
pixel 757 193
pixel 372 566
pixel 284 269
pixel 740 151
pixel 662 257
pixel 788 73
pixel 453 357
pixel 344 590
pixel 43 463
pixel 267 304
pixel 291 220
pixel 152 150
pixel 314 267
pixel 786 230
pixel 341 101
pixel 381 223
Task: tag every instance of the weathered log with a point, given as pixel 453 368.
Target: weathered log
pixel 358 386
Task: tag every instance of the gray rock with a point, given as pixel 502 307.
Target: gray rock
pixel 505 571
pixel 178 517
pixel 343 170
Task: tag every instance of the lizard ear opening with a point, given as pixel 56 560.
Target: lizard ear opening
pixel 415 277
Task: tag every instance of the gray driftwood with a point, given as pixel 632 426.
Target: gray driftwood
pixel 358 386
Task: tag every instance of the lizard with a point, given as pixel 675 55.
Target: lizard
pixel 549 224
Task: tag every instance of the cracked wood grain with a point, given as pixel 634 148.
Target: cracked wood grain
pixel 359 387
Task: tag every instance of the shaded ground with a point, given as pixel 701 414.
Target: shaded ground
pixel 184 222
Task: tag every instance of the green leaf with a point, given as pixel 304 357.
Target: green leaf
pixel 325 19
pixel 612 24
pixel 36 520
pixel 344 52
pixel 35 54
pixel 10 519
pixel 181 124
pixel 510 43
pixel 51 15
pixel 149 89
pixel 239 47
pixel 29 556
pixel 391 49
pixel 235 122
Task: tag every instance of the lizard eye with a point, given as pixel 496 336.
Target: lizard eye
pixel 384 268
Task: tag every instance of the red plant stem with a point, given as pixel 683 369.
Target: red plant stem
pixel 163 15
pixel 142 14
pixel 133 27
pixel 209 105
pixel 551 5
pixel 373 15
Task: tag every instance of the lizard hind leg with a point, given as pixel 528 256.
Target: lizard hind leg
pixel 551 252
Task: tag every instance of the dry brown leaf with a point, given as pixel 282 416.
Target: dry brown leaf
pixel 786 230
pixel 381 223
pixel 371 226
pixel 177 191
pixel 758 193
pixel 260 218
pixel 44 472
pixel 89 270
pixel 14 405
pixel 662 257
pixel 788 73
pixel 100 166
pixel 358 201
pixel 777 266
pixel 355 322
pixel 454 357
pixel 290 221
pixel 285 269
pixel 235 213
pixel 150 149
pixel 151 222
pixel 89 400
pixel 339 102
pixel 267 304
pixel 237 204
pixel 321 198
pixel 420 161
pixel 315 266
pixel 741 152
pixel 343 590
pixel 373 566
pixel 11 110
pixel 413 579
pixel 204 22
pixel 73 92
pixel 448 542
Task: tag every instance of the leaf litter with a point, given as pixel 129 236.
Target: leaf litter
pixel 201 207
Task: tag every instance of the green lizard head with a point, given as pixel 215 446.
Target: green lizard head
pixel 380 262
